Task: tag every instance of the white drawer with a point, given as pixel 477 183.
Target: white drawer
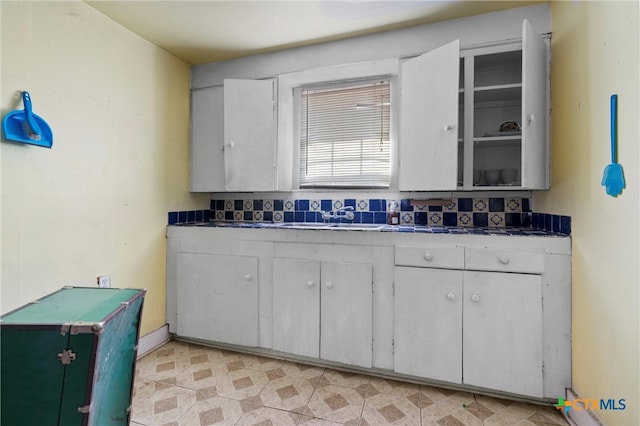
pixel 430 257
pixel 504 260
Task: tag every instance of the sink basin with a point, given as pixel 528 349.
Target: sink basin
pixel 333 226
pixel 222 224
pixel 304 225
pixel 357 226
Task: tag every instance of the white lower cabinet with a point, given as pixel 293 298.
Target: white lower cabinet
pixel 296 307
pixel 459 309
pixel 428 323
pixel 345 313
pixel 471 327
pixel 323 310
pixel 502 332
pixel 218 298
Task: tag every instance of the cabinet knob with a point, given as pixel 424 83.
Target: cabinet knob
pixel 504 260
pixel 329 285
pixel 428 257
pixel 451 296
pixel 475 298
pixel 230 144
pixel 309 283
pixel 248 277
pixel 448 128
pixel 530 119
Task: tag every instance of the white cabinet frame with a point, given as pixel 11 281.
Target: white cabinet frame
pixel 289 85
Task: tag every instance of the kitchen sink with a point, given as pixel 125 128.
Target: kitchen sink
pixel 333 226
pixel 357 226
pixel 304 225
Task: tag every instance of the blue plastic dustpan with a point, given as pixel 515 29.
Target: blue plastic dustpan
pixel 26 127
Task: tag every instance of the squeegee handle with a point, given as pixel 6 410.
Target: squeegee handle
pixel 614 126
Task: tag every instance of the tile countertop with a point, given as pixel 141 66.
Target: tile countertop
pixel 517 231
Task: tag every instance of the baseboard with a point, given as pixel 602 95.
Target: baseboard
pixel 149 342
pixel 580 417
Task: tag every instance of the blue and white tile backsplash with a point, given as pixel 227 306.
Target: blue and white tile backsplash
pixel 463 212
pixel 189 216
pixel 482 212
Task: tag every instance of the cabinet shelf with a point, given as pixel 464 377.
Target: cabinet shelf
pixel 502 92
pixel 500 187
pixel 498 87
pixel 497 139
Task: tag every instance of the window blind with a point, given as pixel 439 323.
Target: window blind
pixel 344 135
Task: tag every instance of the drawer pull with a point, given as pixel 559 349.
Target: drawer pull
pixel 247 277
pixel 475 298
pixel 329 285
pixel 504 260
pixel 428 257
pixel 451 296
pixel 309 283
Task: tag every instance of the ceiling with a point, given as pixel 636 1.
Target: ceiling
pixel 200 32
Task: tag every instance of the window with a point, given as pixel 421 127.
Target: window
pixel 344 135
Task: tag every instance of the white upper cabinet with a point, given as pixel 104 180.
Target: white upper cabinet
pixel 476 119
pixel 470 119
pixel 233 137
pixel 429 120
pixel 504 144
pixel 207 140
pixel 249 135
pixel 535 111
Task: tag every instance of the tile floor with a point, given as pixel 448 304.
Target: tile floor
pixel 182 384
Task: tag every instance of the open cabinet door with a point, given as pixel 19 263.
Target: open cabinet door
pixel 428 145
pixel 249 135
pixel 535 152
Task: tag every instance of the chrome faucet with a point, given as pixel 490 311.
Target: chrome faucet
pixel 347 213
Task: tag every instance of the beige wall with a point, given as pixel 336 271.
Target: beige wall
pixel 97 202
pixel 594 54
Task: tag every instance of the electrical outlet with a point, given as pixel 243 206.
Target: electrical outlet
pixel 104 281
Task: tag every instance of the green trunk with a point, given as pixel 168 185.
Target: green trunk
pixel 69 358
